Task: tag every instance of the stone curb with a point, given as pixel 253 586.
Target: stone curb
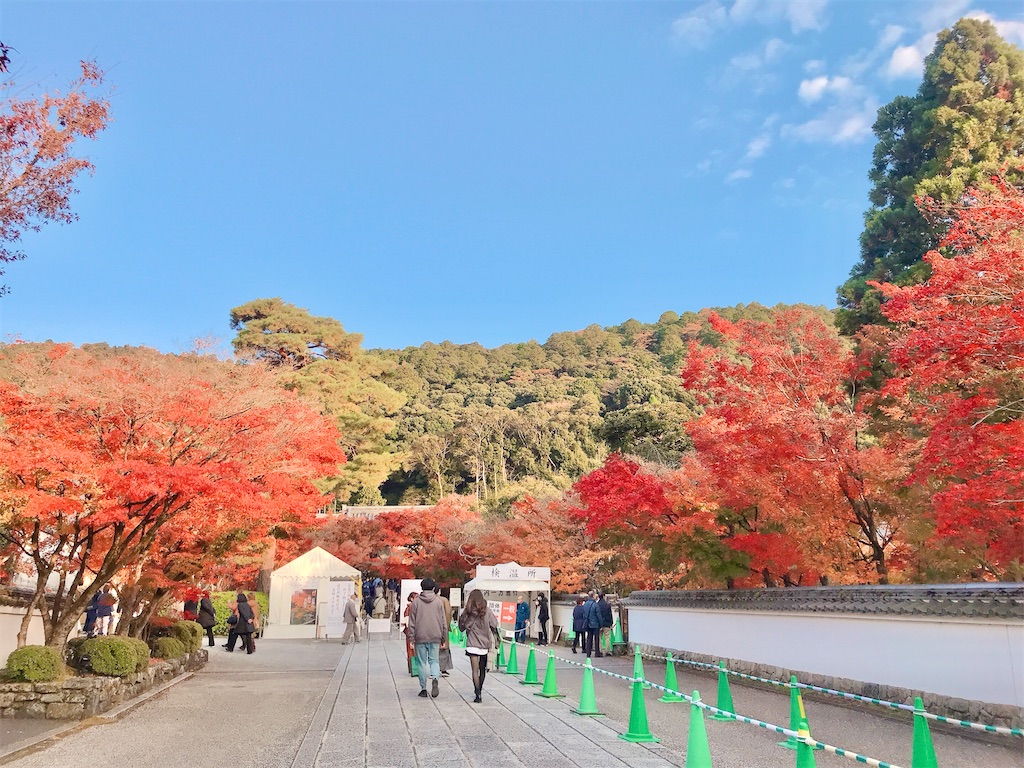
pixel 31 744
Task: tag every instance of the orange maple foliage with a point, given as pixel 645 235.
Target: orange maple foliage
pixel 105 451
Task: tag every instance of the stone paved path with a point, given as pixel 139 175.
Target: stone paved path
pixel 310 704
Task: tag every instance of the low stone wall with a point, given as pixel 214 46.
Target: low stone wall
pixel 80 697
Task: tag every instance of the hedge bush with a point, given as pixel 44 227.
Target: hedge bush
pixel 189 633
pixel 35 664
pixel 112 656
pixel 220 602
pixel 141 648
pixel 168 648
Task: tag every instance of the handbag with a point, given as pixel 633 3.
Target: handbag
pixel 232 619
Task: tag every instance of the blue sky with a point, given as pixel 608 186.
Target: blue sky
pixel 489 172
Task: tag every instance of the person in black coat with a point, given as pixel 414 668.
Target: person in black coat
pixel 244 627
pixel 207 617
pixel 543 614
pixel 607 621
pixel 579 625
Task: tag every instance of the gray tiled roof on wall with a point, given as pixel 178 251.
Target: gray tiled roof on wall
pixel 989 601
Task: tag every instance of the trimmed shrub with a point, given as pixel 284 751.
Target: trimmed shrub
pixel 141 648
pixel 35 664
pixel 220 602
pixel 168 648
pixel 112 656
pixel 189 633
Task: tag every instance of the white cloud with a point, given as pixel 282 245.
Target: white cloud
pixel 739 174
pixel 814 66
pixel 697 27
pixel 906 61
pixel 942 13
pixel 1012 31
pixel 866 58
pixel 842 123
pixel 814 89
pixel 786 183
pixel 750 67
pixel 757 146
pixel 704 166
pixel 806 14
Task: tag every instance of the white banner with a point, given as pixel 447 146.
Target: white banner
pixel 513 571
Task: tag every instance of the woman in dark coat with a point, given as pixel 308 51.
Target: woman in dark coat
pixel 579 625
pixel 543 614
pixel 481 629
pixel 207 616
pixel 244 628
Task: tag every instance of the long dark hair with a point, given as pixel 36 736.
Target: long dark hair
pixel 475 603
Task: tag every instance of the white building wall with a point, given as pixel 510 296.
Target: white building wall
pixel 975 659
pixel 10 624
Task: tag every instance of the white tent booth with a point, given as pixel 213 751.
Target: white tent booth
pixel 308 595
pixel 502 584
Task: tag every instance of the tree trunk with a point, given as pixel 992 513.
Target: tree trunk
pixel 26 620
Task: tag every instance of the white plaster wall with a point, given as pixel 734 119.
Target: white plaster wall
pixel 10 624
pixel 971 659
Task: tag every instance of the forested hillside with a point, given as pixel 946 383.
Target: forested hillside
pixel 436 419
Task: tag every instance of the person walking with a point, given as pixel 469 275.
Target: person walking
pixel 351 617
pixel 607 620
pixel 91 614
pixel 427 629
pixel 257 621
pixel 244 627
pixel 522 618
pixel 207 617
pixel 105 612
pixel 410 646
pixel 592 615
pixel 481 629
pixel 380 607
pixel 444 654
pixel 579 625
pixel 543 614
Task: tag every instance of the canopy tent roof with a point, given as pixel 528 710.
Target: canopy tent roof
pixel 511 585
pixel 318 563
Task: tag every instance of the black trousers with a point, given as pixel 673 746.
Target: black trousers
pixel 246 639
pixel 209 636
pixel 593 642
pixel 542 632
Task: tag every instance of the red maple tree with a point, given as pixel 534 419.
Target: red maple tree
pixel 104 450
pixel 958 351
pixel 37 165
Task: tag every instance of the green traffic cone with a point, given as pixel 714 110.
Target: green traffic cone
pixel 804 752
pixel 724 695
pixel 588 703
pixel 531 669
pixel 512 668
pixel 571 635
pixel 550 689
pixel 617 633
pixel 502 661
pixel 672 685
pixel 415 669
pixel 638 728
pixel 924 752
pixel 638 670
pixel 794 714
pixel 698 753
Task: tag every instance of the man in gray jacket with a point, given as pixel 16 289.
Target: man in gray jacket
pixel 351 617
pixel 427 629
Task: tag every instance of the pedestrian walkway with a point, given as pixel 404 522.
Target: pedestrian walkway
pixel 315 704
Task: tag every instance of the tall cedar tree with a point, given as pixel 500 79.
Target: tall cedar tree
pixel 103 453
pixel 959 377
pixel 37 165
pixel 965 123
